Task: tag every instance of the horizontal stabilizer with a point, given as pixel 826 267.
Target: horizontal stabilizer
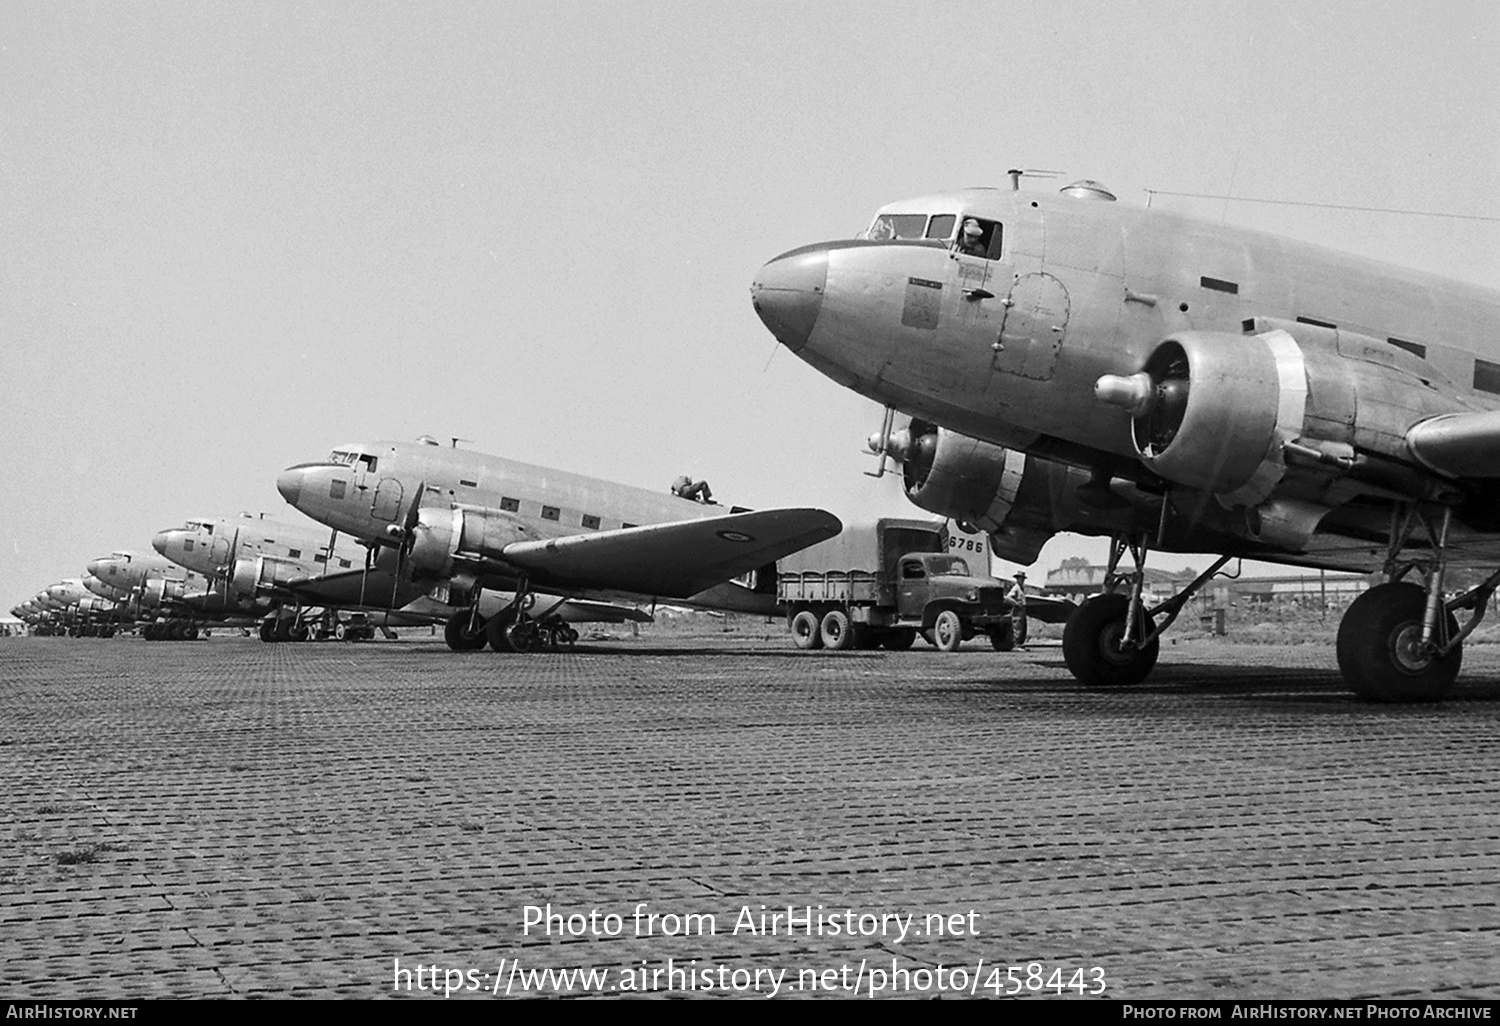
pixel 1458 444
pixel 672 560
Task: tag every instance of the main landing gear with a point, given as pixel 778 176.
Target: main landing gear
pixel 1113 639
pixel 1399 641
pixel 514 629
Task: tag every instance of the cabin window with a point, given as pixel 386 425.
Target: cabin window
pixel 627 525
pixel 509 505
pixel 590 521
pixel 294 553
pixel 344 563
pixel 469 484
pixel 551 513
pixel 336 489
pixel 1487 376
pixel 318 557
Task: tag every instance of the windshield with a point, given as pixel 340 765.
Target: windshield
pixel 912 226
pixel 947 566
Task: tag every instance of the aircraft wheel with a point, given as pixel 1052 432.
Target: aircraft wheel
pixel 190 633
pixel 1091 645
pixel 1003 637
pixel 284 629
pixel 1380 652
pixel 497 630
pixel 898 640
pixel 267 630
pixel 806 630
pixel 525 635
pixel 947 631
pixel 836 631
pixel 457 634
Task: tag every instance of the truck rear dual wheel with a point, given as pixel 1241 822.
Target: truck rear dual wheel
pixel 807 630
pixel 836 630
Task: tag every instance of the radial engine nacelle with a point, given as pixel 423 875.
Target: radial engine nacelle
pixel 441 536
pixel 986 487
pixel 1221 412
pixel 256 576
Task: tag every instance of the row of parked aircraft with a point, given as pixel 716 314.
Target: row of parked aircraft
pixel 1067 363
pixel 499 552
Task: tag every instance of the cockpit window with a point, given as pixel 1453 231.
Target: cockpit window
pixel 897 226
pixel 952 567
pixel 368 460
pixel 980 238
pixel 912 226
pixel 340 457
pixel 941 226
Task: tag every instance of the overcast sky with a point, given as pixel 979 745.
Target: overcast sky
pixel 233 235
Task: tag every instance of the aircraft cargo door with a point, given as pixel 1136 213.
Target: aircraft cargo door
pixel 387 503
pixel 1036 320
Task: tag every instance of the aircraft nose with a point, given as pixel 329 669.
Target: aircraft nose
pixel 161 540
pixel 788 294
pixel 289 484
pixel 94 566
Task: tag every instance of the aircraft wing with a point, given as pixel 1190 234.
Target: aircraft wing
pixel 1458 444
pixel 1046 610
pixel 672 560
pixel 379 589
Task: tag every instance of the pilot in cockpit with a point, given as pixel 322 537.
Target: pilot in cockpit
pixel 971 238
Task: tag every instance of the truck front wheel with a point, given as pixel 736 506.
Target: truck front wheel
pixel 837 631
pixel 947 631
pixel 806 630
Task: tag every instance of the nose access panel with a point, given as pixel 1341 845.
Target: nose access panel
pixel 788 294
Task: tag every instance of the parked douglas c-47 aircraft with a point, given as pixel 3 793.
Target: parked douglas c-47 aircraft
pixel 1204 388
pixel 288 569
pixel 456 522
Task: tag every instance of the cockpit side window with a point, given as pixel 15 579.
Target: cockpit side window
pixel 341 457
pixel 369 461
pixel 980 238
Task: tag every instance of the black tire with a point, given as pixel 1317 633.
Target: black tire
pixel 457 634
pixel 1003 637
pixel 948 631
pixel 807 630
pixel 1091 645
pixel 836 630
pixel 1377 648
pixel 898 640
pixel 267 630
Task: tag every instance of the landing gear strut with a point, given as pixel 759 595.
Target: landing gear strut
pixel 1113 639
pixel 1399 641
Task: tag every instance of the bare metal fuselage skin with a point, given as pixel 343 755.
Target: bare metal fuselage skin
pixel 368 493
pixel 1328 355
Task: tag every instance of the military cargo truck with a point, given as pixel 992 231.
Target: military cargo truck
pixel 881 584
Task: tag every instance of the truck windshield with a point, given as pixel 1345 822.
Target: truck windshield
pixel 947 566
